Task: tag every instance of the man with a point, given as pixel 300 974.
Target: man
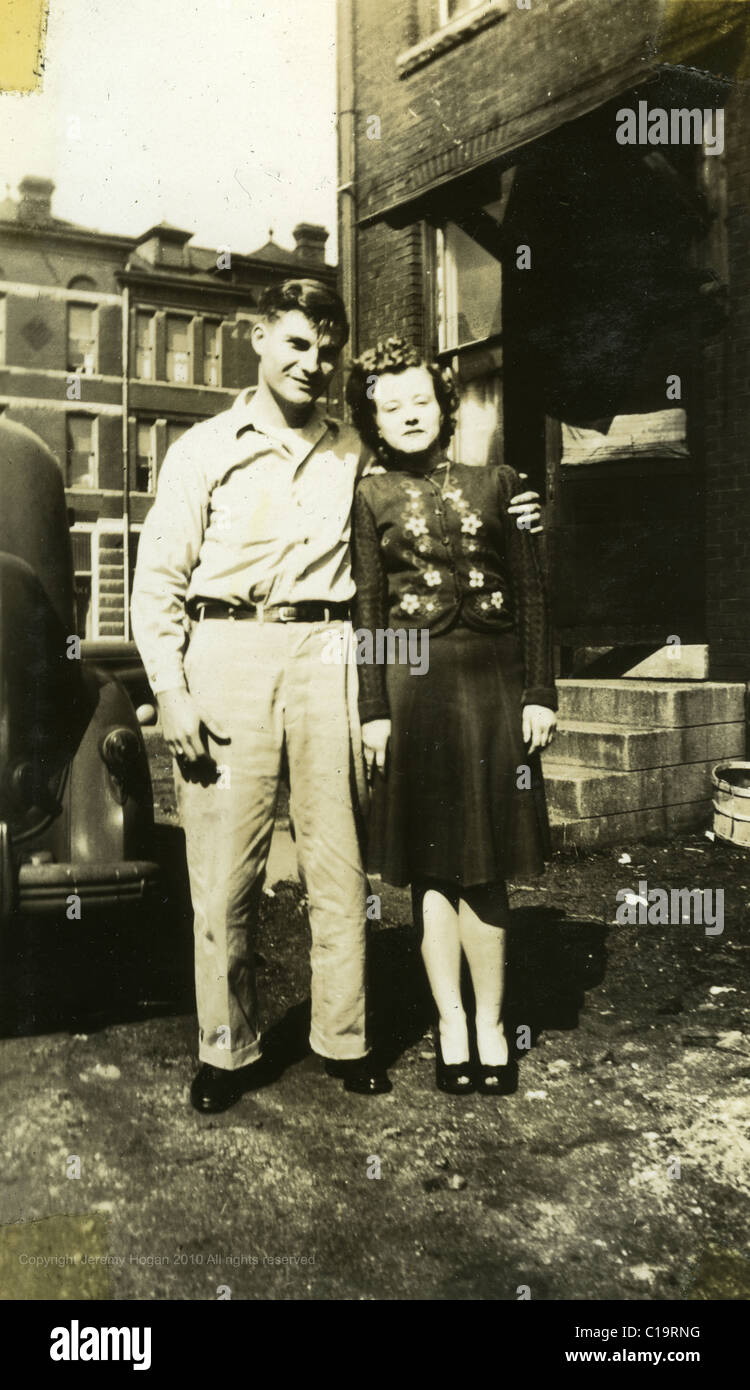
pixel 243 570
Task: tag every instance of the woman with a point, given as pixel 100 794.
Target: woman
pixel 458 804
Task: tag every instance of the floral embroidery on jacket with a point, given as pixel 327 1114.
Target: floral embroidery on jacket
pixel 470 522
pixel 416 525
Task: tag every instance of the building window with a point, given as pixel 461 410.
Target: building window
pixel 441 25
pixel 81 451
pixel 144 346
pixel 211 371
pixel 469 327
pixel 82 574
pixel 82 339
pixel 452 9
pixel 178 350
pixel 82 282
pixel 145 457
pixel 469 287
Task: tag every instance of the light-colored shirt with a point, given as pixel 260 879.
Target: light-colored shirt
pixel 245 512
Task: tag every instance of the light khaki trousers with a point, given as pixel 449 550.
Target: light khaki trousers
pixel 267 683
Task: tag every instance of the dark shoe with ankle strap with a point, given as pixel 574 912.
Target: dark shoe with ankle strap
pixel 455 1078
pixel 498 1081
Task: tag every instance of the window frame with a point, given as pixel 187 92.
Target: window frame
pixel 88 528
pixel 459 356
pixel 150 425
pixel 185 319
pixel 212 385
pixel 71 486
pixel 91 309
pixel 444 17
pixel 149 315
pixel 436 34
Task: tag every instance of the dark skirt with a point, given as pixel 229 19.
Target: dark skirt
pixel 455 804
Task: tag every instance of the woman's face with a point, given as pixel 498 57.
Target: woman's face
pixel 407 413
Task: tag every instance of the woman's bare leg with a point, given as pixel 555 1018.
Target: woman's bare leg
pixel 441 953
pixel 482 924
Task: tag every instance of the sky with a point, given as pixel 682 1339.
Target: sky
pixel 215 115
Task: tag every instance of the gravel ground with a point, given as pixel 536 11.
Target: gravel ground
pixel 618 1170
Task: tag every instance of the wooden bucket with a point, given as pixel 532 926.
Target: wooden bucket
pixel 731 801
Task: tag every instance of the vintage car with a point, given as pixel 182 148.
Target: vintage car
pixel 76 809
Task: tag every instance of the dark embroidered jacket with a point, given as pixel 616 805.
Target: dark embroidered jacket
pixel 428 549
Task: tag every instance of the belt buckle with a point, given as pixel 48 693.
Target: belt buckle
pixel 287 612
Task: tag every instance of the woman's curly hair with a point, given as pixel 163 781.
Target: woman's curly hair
pixel 391 357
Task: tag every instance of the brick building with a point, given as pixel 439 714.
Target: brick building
pixel 593 296
pixel 71 372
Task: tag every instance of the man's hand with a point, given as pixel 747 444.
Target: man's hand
pixel 539 724
pixel 185 727
pixel 525 508
pixel 375 736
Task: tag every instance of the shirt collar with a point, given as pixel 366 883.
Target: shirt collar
pixel 249 415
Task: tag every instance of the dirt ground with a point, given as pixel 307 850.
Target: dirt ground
pixel 618 1170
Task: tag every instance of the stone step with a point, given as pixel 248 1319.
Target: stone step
pixel 651 703
pixel 627 826
pixel 578 792
pixel 623 749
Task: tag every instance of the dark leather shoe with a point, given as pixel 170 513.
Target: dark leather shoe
pixel 216 1089
pixel 498 1081
pixel 455 1078
pixel 362 1075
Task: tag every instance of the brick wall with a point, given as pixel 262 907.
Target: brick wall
pixel 454 113
pixel 390 284
pixel 488 94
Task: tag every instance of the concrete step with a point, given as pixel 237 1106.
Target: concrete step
pixel 626 826
pixel 578 792
pixel 651 703
pixel 622 749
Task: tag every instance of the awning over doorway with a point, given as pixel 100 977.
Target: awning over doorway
pixel 589 53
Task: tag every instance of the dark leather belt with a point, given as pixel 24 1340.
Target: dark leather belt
pixel 201 609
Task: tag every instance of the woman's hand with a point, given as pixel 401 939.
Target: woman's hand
pixel 539 724
pixel 375 736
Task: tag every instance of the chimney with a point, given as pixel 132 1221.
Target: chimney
pixel 35 201
pixel 310 242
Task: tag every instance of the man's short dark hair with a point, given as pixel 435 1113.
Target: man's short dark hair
pixel 322 305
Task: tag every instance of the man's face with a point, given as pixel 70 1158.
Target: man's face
pixel 297 359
